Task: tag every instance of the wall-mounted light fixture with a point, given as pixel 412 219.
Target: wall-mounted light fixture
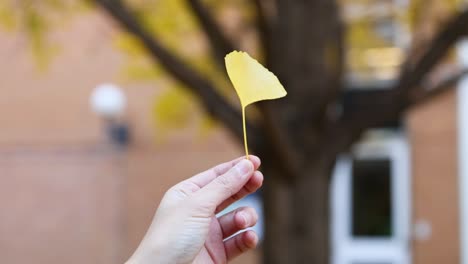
pixel 109 102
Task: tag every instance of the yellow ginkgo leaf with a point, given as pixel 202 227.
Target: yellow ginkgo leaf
pixel 252 82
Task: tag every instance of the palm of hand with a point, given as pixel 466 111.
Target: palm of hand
pixel 213 250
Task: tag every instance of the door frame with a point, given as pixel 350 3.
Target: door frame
pixel 462 120
pixel 347 249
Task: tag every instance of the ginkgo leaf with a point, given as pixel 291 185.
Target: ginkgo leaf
pixel 252 82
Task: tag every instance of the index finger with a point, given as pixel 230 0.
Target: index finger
pixel 203 178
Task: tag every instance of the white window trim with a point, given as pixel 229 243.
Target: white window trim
pixel 462 115
pixel 346 248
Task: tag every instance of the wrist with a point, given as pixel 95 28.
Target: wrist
pixel 150 252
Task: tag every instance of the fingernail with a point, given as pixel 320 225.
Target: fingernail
pixel 244 218
pixel 244 167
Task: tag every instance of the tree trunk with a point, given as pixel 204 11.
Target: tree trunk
pixel 305 57
pixel 310 203
pixel 277 247
pixel 297 226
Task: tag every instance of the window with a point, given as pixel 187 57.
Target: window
pixel 371 198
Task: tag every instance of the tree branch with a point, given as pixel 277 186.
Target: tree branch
pixel 412 77
pixel 436 50
pixel 279 144
pixel 440 88
pixel 354 127
pixel 336 84
pixel 220 43
pixel 213 102
pixel 264 30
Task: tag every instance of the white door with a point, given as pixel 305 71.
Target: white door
pixel 370 204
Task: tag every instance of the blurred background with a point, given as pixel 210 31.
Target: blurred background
pixel 106 104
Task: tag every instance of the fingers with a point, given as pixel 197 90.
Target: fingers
pixel 237 220
pixel 240 243
pixel 202 179
pixel 226 185
pixel 251 186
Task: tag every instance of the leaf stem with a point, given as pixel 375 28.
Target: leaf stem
pixel 245 133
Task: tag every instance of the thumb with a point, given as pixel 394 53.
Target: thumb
pixel 226 185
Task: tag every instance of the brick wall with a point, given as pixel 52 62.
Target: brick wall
pixel 432 134
pixel 66 196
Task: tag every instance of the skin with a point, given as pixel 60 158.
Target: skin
pixel 185 228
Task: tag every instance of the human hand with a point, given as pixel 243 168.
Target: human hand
pixel 185 228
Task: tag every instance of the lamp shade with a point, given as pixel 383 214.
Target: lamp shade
pixel 108 100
